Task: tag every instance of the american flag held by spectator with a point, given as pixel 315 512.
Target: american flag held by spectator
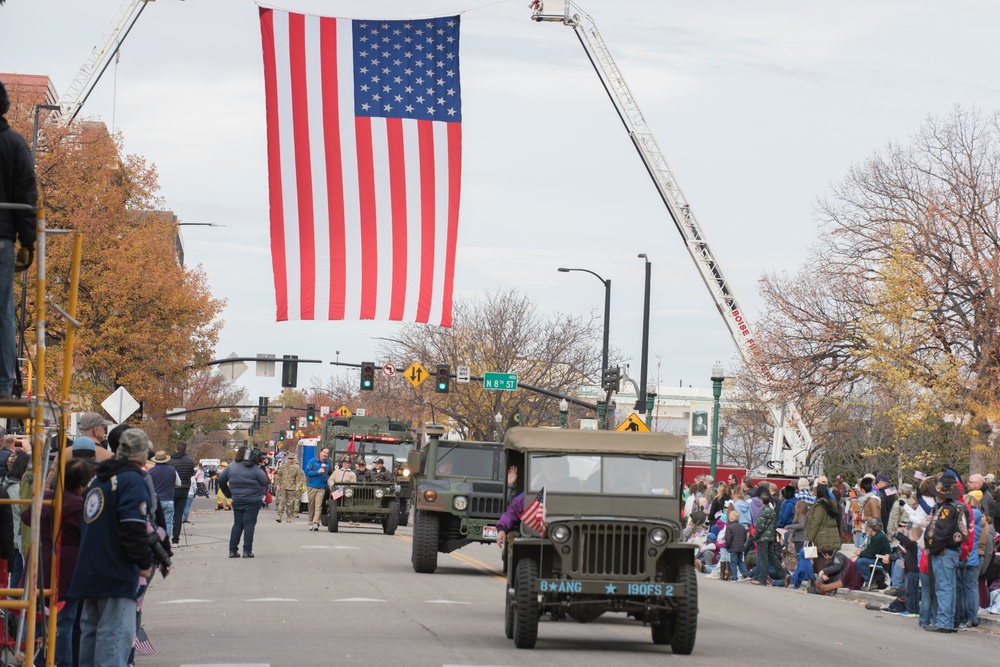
pixel 364 151
pixel 533 515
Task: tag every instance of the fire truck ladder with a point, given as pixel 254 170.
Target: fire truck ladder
pixel 792 442
pixel 42 418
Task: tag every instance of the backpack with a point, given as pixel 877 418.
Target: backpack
pixel 948 529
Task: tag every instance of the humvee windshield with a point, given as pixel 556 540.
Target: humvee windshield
pixel 464 461
pixel 616 475
pixel 397 449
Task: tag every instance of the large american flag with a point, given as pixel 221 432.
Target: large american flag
pixel 533 515
pixel 364 150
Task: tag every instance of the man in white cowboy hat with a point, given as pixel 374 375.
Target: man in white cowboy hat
pixel 166 481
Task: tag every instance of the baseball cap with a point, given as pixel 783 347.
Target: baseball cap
pixel 882 478
pixel 90 420
pixel 83 443
pixel 380 461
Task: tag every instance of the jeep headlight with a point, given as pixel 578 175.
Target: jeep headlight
pixel 658 537
pixel 559 533
pixel 460 503
pixel 348 493
pixel 379 493
pixel 406 472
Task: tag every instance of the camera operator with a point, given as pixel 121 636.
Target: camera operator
pixel 244 482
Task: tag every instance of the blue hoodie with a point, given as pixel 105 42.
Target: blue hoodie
pixel 743 507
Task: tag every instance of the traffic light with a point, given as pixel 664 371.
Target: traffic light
pixel 311 413
pixel 281 435
pixel 256 423
pixel 604 378
pixel 293 423
pixel 262 405
pixel 443 380
pixel 250 432
pixel 367 375
pixel 289 370
pixel 615 378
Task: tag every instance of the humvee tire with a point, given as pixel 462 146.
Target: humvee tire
pixel 508 616
pixel 392 520
pixel 425 541
pixel 526 608
pixel 685 619
pixel 332 521
pixel 404 513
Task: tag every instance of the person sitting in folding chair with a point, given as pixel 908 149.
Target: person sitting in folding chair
pixel 868 560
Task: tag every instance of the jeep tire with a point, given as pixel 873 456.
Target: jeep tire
pixel 391 519
pixel 332 520
pixel 508 613
pixel 404 513
pixel 685 620
pixel 425 541
pixel 526 607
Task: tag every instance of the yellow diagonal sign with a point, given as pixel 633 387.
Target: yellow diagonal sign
pixel 415 374
pixel 633 423
pixel 342 411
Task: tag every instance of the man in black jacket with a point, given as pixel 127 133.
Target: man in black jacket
pixel 17 186
pixel 185 469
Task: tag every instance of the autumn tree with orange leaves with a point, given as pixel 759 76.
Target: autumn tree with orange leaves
pixel 146 321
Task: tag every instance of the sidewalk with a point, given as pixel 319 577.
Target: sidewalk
pixel 987 621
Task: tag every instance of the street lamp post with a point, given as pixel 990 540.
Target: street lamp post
pixel 607 314
pixel 718 376
pixel 563 412
pixel 640 403
pixel 497 418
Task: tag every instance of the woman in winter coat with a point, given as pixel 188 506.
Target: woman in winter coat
pixel 823 520
pixel 742 506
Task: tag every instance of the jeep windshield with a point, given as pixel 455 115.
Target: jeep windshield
pixel 465 461
pixel 608 474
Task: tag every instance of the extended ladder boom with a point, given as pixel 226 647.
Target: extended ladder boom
pixel 99 58
pixel 791 435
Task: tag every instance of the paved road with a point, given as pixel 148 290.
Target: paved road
pixel 351 598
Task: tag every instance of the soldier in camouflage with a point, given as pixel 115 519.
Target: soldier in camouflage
pixel 380 473
pixel 290 481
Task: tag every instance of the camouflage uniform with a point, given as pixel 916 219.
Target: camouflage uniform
pixel 289 479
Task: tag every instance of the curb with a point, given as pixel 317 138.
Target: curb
pixel 987 621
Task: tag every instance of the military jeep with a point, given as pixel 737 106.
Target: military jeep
pixel 363 501
pixel 458 499
pixel 607 535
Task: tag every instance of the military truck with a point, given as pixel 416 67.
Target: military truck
pixel 381 435
pixel 607 533
pixel 459 494
pixel 362 501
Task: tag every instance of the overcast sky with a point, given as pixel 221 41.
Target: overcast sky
pixel 759 107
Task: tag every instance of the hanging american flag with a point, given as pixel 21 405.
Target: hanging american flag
pixel 364 151
pixel 141 643
pixel 533 515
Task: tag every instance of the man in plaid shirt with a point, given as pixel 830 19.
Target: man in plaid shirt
pixel 804 493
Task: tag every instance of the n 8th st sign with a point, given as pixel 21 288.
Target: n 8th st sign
pixel 500 381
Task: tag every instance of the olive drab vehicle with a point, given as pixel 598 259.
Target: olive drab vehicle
pixel 459 494
pixel 379 435
pixel 609 539
pixel 362 501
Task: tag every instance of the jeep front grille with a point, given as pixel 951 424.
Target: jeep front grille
pixel 608 549
pixel 364 496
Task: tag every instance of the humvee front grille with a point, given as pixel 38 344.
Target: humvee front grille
pixel 608 549
pixel 486 507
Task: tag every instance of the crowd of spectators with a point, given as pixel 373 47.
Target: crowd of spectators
pixel 929 547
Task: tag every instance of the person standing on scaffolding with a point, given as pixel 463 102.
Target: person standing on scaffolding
pixel 17 186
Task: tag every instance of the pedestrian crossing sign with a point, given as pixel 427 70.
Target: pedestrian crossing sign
pixel 634 424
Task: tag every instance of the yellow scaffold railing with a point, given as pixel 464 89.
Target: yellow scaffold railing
pixel 43 419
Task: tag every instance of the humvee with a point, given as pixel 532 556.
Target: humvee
pixel 363 502
pixel 609 539
pixel 459 494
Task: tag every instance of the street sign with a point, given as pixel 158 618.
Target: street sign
pixel 462 374
pixel 120 405
pixel 416 373
pixel 342 411
pixel 178 417
pixel 324 410
pixel 362 412
pixel 634 424
pixel 265 365
pixel 500 381
pixel 232 370
pixel 388 370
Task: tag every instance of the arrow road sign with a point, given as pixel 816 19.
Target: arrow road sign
pixel 462 374
pixel 388 370
pixel 415 374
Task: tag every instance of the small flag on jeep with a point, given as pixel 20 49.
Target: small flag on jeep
pixel 338 493
pixel 533 515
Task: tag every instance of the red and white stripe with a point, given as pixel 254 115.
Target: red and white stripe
pixel 364 211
